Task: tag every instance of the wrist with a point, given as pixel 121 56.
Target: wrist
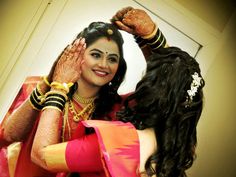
pixel 152 34
pixel 64 87
pixel 154 41
pixel 54 89
pixel 37 98
pixel 44 84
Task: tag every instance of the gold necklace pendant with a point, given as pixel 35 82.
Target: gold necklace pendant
pixel 83 100
pixel 84 114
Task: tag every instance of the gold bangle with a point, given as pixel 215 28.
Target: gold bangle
pixel 39 90
pixel 150 36
pixel 63 86
pixel 45 79
pixel 51 107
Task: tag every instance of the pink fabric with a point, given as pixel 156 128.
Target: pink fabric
pixel 83 155
pixel 120 153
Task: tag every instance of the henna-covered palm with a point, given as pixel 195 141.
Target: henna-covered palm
pixel 68 67
pixel 134 21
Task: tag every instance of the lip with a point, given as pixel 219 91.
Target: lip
pixel 100 73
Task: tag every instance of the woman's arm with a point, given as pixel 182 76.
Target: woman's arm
pixel 48 133
pixel 80 155
pixel 144 29
pixel 67 71
pixel 18 125
pixel 21 121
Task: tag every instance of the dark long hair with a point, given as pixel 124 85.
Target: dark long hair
pixel 107 95
pixel 161 102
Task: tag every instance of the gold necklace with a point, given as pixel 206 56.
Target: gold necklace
pixel 66 123
pixel 84 114
pixel 83 100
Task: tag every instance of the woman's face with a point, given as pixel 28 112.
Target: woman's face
pixel 101 61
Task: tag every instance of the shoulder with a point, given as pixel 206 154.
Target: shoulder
pixel 148 145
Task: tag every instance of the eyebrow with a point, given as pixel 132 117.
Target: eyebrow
pixel 112 54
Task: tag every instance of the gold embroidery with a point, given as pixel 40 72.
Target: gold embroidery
pixel 13 151
pixel 55 157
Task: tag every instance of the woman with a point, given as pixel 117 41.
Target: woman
pixel 165 109
pixel 103 71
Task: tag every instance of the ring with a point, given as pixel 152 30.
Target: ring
pixel 69 56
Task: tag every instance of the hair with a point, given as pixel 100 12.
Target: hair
pixel 107 95
pixel 161 102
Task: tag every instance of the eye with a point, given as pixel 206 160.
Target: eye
pixel 96 55
pixel 113 59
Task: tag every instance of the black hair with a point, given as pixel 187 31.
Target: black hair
pixel 161 102
pixel 107 95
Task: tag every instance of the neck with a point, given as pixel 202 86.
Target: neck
pixel 87 91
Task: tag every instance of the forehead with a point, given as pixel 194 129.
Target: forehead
pixel 105 45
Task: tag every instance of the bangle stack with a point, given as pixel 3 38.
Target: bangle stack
pixel 52 99
pixel 155 40
pixel 37 98
pixel 55 100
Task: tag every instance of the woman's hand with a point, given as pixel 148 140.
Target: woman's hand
pixel 68 67
pixel 134 21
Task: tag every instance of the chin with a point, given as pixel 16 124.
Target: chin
pixel 99 84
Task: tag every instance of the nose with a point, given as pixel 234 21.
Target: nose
pixel 103 63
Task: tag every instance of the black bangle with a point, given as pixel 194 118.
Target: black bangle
pixel 36 99
pixel 35 102
pixel 140 41
pixel 55 100
pixel 156 42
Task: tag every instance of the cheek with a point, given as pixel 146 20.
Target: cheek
pixel 114 69
pixel 86 63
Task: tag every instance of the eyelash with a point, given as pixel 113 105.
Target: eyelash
pixel 113 59
pixel 98 55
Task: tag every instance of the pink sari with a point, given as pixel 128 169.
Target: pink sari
pixel 119 155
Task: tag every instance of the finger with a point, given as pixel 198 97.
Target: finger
pixel 79 45
pixel 81 54
pixel 66 51
pixel 80 49
pixel 75 49
pixel 114 18
pixel 77 39
pixel 124 27
pixel 74 46
pixel 126 10
pixel 129 22
pixel 120 14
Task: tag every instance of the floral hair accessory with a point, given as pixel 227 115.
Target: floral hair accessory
pixel 196 83
pixel 109 31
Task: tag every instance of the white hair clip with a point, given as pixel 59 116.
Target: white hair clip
pixel 194 87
